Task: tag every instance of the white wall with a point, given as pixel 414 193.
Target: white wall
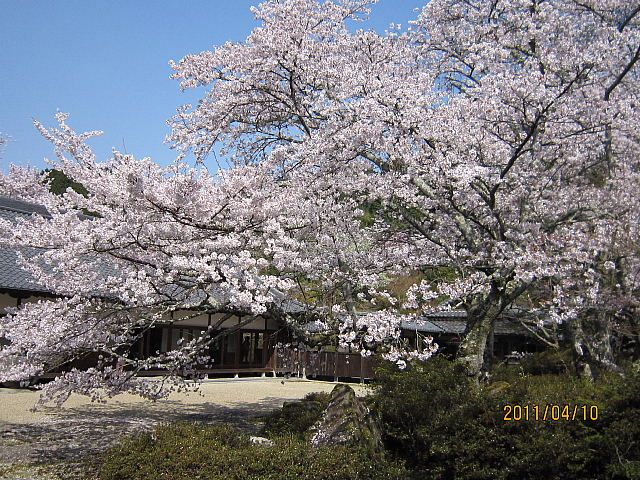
pixel 197 321
pixel 34 299
pixel 7 300
pixel 203 321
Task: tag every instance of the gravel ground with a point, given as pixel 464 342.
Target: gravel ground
pixel 53 442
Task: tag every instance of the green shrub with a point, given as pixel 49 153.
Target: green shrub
pixel 446 427
pixel 548 362
pixel 295 418
pixel 433 419
pixel 621 425
pixel 429 417
pixel 189 451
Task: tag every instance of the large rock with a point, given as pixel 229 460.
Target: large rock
pixel 346 421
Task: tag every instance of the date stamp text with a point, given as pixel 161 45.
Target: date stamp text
pixel 550 412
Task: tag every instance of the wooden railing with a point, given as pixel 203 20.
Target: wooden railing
pixel 322 364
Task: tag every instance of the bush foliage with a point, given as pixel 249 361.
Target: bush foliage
pixel 445 427
pixel 295 418
pixel 217 452
pixel 436 424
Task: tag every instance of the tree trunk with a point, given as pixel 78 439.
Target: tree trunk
pixel 479 326
pixel 490 349
pixel 581 353
pixel 591 342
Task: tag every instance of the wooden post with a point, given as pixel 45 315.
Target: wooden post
pixel 143 340
pixel 275 356
pixel 236 362
pixel 265 349
pixel 223 342
pixel 305 359
pixel 167 344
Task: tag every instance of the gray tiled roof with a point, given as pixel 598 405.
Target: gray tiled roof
pixel 452 326
pixel 286 303
pixel 421 325
pixel 509 327
pixel 454 323
pixel 441 322
pixel 10 208
pixel 12 276
pixel 455 326
pixel 447 314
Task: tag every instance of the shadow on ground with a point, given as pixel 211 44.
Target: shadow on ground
pixel 80 433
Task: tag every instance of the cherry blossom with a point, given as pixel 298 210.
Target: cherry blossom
pixel 497 140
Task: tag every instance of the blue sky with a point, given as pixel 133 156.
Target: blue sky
pixel 106 63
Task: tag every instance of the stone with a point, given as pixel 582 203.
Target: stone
pixel 346 421
pixel 265 442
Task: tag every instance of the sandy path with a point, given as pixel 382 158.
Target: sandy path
pixel 80 428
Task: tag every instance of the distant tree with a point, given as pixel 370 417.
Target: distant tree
pixel 60 183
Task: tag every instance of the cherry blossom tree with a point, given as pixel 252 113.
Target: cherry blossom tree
pixel 142 245
pixel 545 92
pixel 496 139
pixel 157 239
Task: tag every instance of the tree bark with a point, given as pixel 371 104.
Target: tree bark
pixel 581 352
pixel 592 349
pixel 489 349
pixel 480 321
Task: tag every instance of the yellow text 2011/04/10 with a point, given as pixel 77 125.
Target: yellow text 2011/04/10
pixel 550 412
